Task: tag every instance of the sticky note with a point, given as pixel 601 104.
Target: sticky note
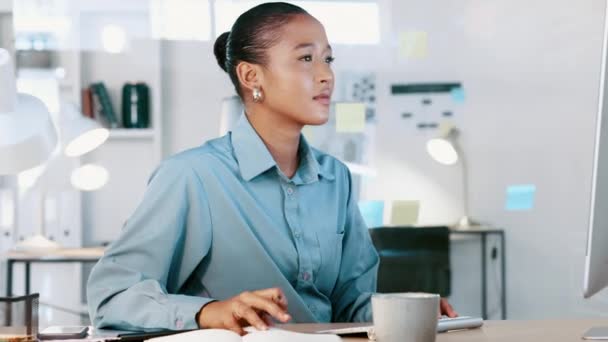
pixel 405 213
pixel 372 212
pixel 520 197
pixel 457 94
pixel 413 44
pixel 350 117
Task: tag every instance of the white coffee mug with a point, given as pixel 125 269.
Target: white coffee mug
pixel 405 317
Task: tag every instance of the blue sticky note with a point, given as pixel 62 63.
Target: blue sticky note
pixel 458 94
pixel 520 197
pixel 372 212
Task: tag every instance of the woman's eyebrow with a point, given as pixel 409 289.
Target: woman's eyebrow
pixel 306 45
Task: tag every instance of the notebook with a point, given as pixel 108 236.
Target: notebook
pixel 271 335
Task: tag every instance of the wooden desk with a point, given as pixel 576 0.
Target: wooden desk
pixel 62 255
pixel 496 331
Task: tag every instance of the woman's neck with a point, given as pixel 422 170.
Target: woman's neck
pixel 281 137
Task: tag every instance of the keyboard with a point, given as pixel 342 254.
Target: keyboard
pixel 458 323
pixel 444 324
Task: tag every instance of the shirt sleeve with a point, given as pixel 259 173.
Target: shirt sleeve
pixel 358 272
pixel 133 285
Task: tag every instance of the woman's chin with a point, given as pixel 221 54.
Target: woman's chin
pixel 318 119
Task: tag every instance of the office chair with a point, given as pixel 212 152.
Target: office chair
pixel 413 259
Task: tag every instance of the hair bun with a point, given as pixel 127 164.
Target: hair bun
pixel 219 49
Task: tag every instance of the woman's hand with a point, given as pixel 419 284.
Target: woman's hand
pixel 446 309
pixel 248 308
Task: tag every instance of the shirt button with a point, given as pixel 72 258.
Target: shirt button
pixel 179 324
pixel 297 235
pixel 290 191
pixel 305 276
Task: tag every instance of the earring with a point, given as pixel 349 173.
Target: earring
pixel 257 95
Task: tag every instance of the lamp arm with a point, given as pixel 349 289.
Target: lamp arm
pixel 465 178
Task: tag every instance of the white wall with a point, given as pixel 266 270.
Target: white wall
pixel 192 90
pixel 531 74
pixel 6 5
pixel 540 84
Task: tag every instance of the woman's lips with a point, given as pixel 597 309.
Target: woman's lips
pixel 322 99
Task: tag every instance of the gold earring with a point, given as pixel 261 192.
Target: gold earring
pixel 257 95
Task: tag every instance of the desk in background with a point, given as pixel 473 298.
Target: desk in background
pixel 483 234
pixel 64 255
pixel 417 258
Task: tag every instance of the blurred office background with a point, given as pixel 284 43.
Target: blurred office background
pixel 519 81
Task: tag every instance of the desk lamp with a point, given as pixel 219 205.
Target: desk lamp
pixel 445 150
pixel 27 133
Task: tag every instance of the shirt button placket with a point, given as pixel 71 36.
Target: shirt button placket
pixel 291 210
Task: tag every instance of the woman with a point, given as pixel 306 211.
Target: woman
pixel 253 225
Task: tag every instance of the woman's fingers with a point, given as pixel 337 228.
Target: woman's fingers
pixel 248 308
pixel 232 324
pixel 276 294
pixel 446 309
pixel 246 312
pixel 263 303
pixel 267 319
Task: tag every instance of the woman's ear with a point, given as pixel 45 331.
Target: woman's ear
pixel 250 76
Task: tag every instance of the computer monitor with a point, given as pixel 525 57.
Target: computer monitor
pixel 596 259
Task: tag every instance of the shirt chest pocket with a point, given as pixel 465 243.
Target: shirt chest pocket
pixel 330 253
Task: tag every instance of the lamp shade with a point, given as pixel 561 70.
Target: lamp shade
pixel 81 134
pixel 89 177
pixel 27 133
pixel 443 147
pixel 442 150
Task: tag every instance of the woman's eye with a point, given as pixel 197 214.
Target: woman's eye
pixel 308 58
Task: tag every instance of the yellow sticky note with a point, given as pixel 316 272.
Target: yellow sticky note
pixel 413 44
pixel 405 213
pixel 350 117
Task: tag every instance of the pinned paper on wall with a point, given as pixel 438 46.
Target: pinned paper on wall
pixel 520 197
pixel 372 212
pixel 405 213
pixel 413 44
pixel 458 94
pixel 350 117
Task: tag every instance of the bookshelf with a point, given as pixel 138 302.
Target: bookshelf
pixel 132 134
pixel 129 155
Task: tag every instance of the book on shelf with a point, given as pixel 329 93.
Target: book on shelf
pixel 87 102
pixel 103 104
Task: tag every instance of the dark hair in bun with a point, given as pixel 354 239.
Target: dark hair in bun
pixel 253 32
pixel 219 49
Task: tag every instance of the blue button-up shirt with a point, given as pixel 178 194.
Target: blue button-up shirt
pixel 221 219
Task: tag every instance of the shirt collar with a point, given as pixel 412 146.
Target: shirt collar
pixel 254 158
pixel 251 154
pixel 310 169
